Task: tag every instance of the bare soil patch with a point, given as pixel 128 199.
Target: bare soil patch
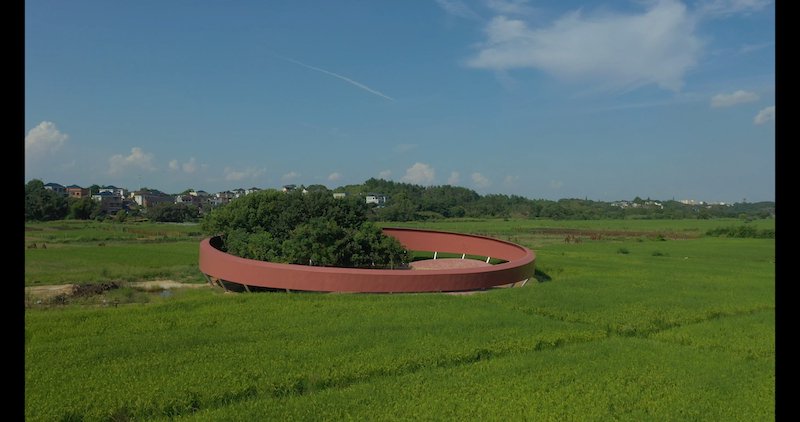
pixel 47 292
pixel 165 284
pixel 69 290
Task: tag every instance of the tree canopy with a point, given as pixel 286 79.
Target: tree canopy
pixel 312 229
pixel 173 213
pixel 42 204
pixel 83 208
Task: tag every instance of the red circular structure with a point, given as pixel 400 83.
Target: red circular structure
pixel 246 273
pixel 447 263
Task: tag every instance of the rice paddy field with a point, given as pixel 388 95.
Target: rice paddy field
pixel 625 320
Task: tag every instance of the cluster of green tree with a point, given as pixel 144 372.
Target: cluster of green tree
pixel 311 229
pixel 173 213
pixel 408 202
pixel 44 205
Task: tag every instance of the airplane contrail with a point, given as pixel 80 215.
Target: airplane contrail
pixel 335 75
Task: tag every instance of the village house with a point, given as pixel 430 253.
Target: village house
pixel 216 201
pixel 149 198
pixel 289 188
pixel 75 191
pixel 109 202
pixel 374 198
pixel 188 199
pixel 121 192
pixel 225 195
pixel 55 187
pixel 221 198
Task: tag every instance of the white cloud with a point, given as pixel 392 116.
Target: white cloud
pixel 510 7
pixel 137 159
pixel 454 178
pixel 619 51
pixel 290 176
pixel 480 180
pixel 458 8
pixel 248 173
pixel 510 180
pixel 738 97
pixel 420 174
pixel 334 176
pixel 725 8
pixel 765 115
pixel 190 166
pixel 401 148
pixel 384 174
pixel 45 137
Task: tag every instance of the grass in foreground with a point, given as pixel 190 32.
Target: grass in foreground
pixel 685 334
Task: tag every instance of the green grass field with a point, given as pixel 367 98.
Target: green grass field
pixel 91 252
pixel 625 327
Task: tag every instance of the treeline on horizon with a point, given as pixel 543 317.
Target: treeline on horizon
pixel 410 202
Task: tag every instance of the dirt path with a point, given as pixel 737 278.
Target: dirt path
pixel 46 292
pixel 166 284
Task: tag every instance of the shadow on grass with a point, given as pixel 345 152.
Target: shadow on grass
pixel 541 276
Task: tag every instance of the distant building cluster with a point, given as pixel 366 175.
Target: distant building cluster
pixel 693 202
pixel 112 199
pixel 648 204
pixel 635 204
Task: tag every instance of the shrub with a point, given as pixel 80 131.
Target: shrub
pixel 742 231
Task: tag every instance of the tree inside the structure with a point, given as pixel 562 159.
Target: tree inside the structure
pixel 312 228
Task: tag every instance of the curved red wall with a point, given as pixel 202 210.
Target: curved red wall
pixel 520 266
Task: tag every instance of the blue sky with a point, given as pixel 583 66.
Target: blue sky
pixel 546 99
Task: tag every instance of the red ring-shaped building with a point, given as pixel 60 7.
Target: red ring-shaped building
pixel 519 266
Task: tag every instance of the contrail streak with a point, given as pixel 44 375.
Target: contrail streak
pixel 344 78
